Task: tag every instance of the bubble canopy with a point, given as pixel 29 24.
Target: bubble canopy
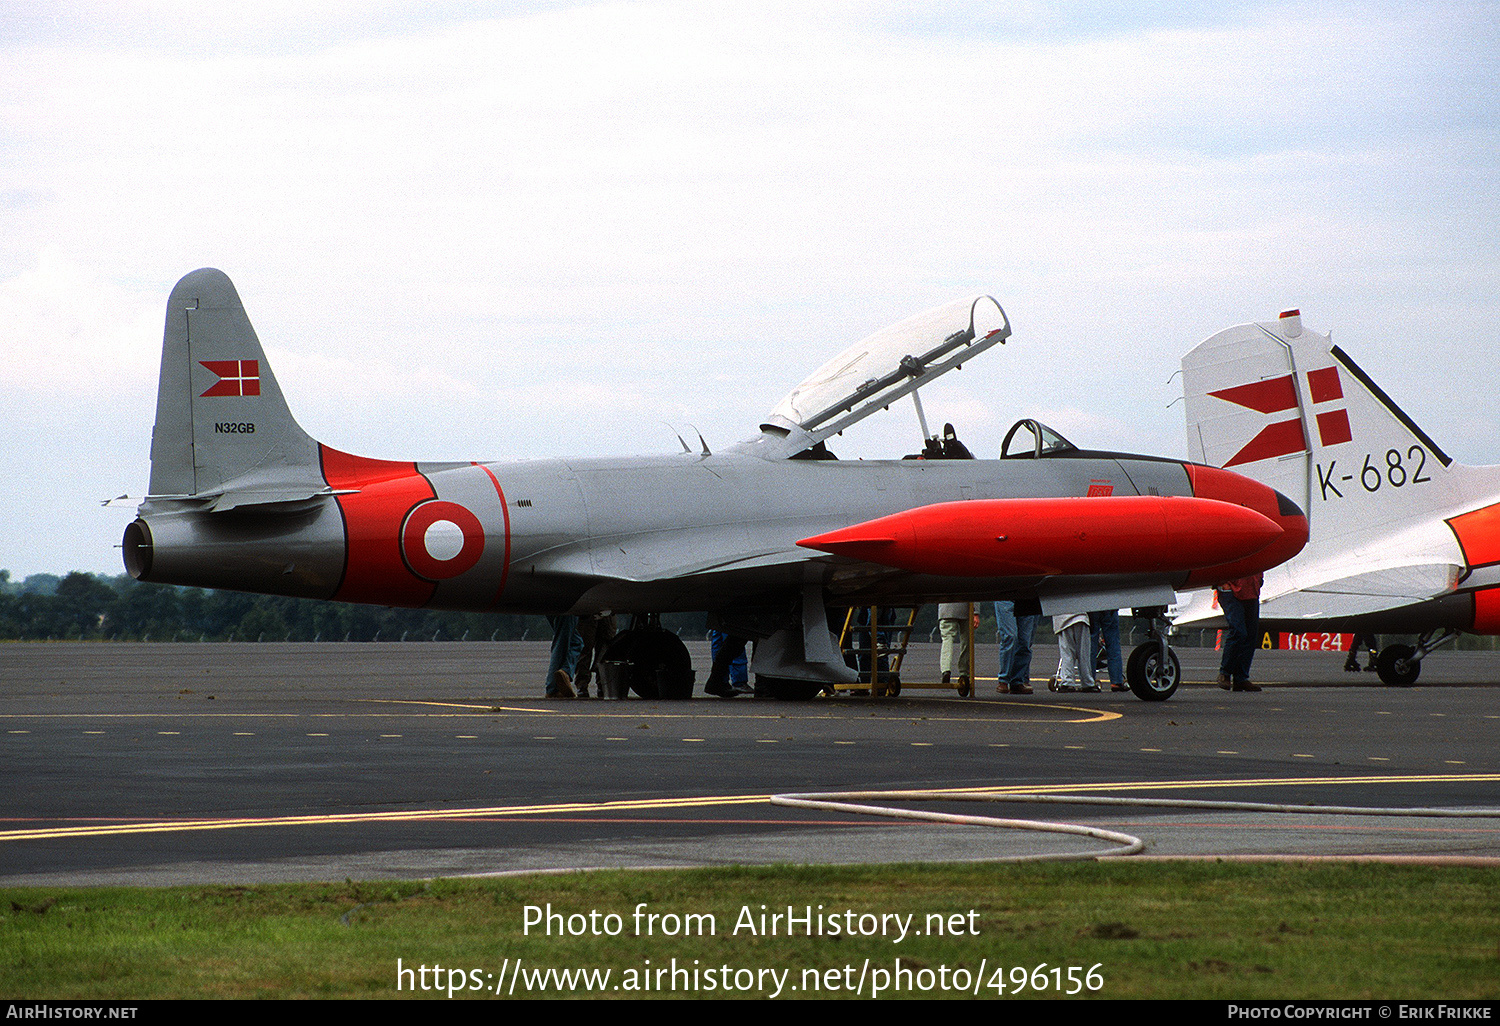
pixel 892 363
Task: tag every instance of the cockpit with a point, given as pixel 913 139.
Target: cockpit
pixel 889 365
pixel 1030 439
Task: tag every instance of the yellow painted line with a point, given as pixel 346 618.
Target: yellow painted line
pixel 414 815
pixel 505 811
pixel 1223 752
pixel 1034 713
pixel 460 705
pixel 817 711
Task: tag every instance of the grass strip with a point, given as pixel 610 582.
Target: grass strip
pixel 1146 930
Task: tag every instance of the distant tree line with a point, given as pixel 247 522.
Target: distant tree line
pixel 89 607
pixel 95 607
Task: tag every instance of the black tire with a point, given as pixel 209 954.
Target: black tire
pixel 965 688
pixel 1150 681
pixel 1396 667
pixel 659 665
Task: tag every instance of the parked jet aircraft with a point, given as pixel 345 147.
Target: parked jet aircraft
pixel 242 498
pixel 1402 539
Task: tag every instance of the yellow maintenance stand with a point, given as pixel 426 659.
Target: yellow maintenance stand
pixel 874 641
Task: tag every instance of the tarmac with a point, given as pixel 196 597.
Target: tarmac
pixel 245 763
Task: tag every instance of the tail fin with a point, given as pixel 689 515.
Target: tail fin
pixel 1392 520
pixel 1285 406
pixel 223 432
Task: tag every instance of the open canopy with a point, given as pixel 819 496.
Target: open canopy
pixel 876 371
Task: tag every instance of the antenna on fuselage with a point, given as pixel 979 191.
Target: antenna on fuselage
pixel 680 439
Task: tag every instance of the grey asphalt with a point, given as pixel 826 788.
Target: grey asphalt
pixel 177 763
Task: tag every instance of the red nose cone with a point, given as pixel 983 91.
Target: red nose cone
pixel 1227 486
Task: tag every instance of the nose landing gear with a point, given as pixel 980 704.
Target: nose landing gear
pixel 1153 670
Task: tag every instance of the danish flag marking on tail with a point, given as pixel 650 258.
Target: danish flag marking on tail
pixel 1269 396
pixel 1324 386
pixel 236 377
pixel 1273 395
pixel 1285 437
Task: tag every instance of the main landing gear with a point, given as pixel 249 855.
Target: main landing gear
pixel 1153 670
pixel 655 662
pixel 1400 665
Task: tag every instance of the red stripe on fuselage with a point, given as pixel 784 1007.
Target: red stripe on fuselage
pixel 505 514
pixel 374 571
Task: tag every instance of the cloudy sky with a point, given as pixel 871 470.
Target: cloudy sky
pixel 513 230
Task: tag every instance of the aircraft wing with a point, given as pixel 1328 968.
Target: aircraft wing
pixel 878 370
pixel 1340 598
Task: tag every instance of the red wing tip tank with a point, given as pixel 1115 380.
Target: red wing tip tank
pixel 1052 536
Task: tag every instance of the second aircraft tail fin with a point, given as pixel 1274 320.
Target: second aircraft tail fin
pixel 1285 406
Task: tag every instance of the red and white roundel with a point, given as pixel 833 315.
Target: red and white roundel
pixel 441 539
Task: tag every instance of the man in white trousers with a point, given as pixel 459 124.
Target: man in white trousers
pixel 1075 668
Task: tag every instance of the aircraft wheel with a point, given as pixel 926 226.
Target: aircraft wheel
pixel 658 663
pixel 1148 678
pixel 1395 668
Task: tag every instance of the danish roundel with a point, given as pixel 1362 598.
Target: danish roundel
pixel 441 539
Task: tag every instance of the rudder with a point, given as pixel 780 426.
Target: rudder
pixel 223 431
